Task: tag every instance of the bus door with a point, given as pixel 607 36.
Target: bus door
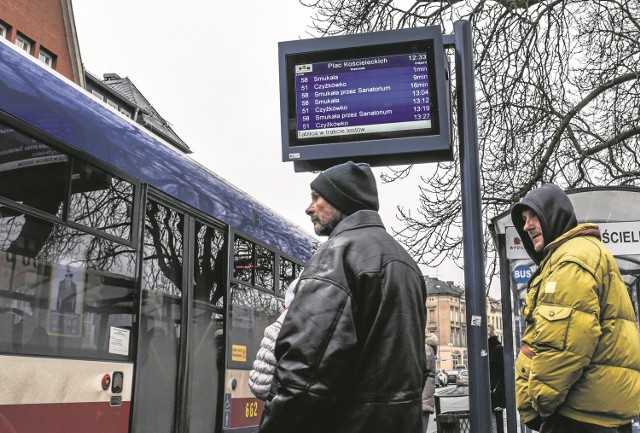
pixel 252 306
pixel 181 341
pixel 206 334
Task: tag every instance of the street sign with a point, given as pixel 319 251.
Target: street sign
pixel 515 248
pixel 522 273
pixel 621 238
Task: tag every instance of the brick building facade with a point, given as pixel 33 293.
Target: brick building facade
pixel 46 30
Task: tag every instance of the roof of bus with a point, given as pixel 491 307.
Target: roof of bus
pixel 53 104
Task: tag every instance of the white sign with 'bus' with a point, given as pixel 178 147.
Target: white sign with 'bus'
pixel 621 238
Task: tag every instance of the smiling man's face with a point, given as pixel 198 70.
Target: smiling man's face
pixel 533 228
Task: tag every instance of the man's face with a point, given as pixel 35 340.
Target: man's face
pixel 532 227
pixel 323 216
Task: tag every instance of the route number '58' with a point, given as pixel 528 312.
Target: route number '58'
pixel 251 409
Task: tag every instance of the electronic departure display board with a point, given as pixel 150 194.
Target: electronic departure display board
pixel 381 98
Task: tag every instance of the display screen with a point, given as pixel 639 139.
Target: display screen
pixel 376 96
pixel 380 97
pixel 359 96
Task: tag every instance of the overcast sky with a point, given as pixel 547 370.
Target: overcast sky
pixel 211 70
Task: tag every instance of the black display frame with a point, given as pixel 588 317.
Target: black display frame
pixel 380 148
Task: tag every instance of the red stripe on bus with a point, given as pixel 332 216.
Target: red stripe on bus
pixel 93 417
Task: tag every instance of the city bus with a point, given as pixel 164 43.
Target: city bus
pixel 135 284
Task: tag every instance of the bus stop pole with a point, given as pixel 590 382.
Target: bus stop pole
pixel 507 336
pixel 472 231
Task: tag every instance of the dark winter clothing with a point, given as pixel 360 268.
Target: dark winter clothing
pixel 350 353
pixel 580 356
pixel 496 372
pixel 348 187
pixel 561 424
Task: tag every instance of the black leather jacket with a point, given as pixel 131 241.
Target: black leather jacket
pixel 351 350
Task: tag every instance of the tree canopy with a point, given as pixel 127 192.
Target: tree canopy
pixel 558 100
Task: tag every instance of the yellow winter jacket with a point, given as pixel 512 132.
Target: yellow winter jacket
pixel 580 354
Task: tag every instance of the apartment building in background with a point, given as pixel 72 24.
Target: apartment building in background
pixel 447 318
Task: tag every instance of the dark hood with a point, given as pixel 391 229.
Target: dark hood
pixel 555 211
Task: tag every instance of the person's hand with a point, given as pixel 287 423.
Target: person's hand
pixel 535 423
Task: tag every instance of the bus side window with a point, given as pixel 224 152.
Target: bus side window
pixel 209 267
pixel 39 342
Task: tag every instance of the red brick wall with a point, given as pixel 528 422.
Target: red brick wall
pixel 42 22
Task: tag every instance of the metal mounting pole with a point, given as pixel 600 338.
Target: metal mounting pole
pixel 472 226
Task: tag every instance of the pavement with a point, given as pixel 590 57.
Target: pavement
pixel 454 398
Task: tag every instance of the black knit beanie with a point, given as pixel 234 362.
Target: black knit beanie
pixel 348 187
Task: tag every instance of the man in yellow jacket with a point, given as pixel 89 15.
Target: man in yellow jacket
pixel 578 369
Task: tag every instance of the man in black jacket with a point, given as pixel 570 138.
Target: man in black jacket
pixel 350 355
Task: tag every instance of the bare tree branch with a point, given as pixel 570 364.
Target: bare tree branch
pixel 558 100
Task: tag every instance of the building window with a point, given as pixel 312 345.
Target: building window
pixel 112 104
pixel 23 43
pixel 97 95
pixel 4 30
pixel 125 112
pixel 46 57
